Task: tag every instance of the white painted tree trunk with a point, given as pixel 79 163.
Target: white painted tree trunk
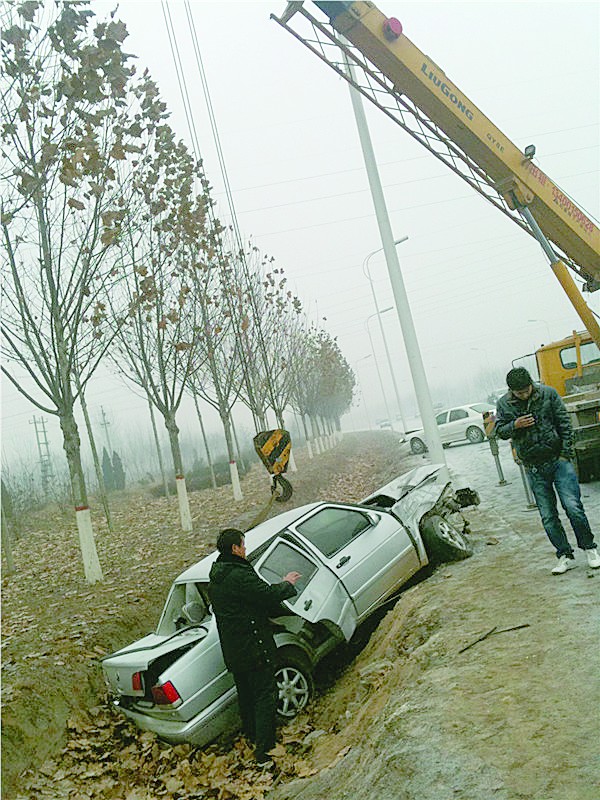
pixel 91 564
pixel 292 462
pixel 309 449
pixel 185 515
pixel 235 481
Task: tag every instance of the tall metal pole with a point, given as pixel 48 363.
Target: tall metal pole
pixel 385 344
pixel 432 434
pixel 383 394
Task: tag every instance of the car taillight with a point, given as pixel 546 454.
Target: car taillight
pixel 165 694
pixel 136 682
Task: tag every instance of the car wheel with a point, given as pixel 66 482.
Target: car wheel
pixel 417 446
pixel 443 541
pixel 295 685
pixel 475 435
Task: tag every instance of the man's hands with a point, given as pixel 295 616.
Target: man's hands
pixel 526 421
pixel 292 577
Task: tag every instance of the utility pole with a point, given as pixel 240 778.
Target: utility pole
pixel 105 425
pixel 43 451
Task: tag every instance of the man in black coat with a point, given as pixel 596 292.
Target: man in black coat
pixel 242 603
pixel 535 418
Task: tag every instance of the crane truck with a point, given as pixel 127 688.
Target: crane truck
pixel 572 366
pixel 372 53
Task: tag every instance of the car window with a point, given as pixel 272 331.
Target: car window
pixel 458 413
pixel 332 528
pixel 283 559
pixel 441 418
pixel 181 594
pixel 481 407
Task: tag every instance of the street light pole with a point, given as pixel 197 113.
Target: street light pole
pixel 383 394
pixel 385 344
pixel 409 333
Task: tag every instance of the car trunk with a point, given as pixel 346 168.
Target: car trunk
pixel 149 657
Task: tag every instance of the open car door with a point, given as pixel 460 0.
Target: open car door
pixel 321 597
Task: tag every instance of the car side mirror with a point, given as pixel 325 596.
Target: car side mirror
pixel 373 517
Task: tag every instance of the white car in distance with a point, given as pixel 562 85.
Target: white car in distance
pixel 457 424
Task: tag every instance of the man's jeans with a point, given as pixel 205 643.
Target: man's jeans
pixel 560 475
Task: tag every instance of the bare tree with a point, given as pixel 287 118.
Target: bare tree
pixel 74 122
pixel 159 345
pixel 219 373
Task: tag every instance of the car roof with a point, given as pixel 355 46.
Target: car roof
pixel 255 537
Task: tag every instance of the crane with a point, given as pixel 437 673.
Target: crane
pixel 413 91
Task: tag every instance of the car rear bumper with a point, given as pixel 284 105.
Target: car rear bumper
pixel 220 716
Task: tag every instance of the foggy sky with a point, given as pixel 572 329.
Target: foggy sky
pixel 294 163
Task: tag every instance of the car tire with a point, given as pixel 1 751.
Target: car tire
pixel 444 542
pixel 295 684
pixel 475 435
pixel 418 446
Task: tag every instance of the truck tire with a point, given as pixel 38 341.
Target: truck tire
pixel 584 468
pixel 443 542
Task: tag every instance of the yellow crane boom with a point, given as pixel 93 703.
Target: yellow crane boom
pixel 413 90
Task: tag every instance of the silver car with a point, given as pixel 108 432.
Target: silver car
pixel 352 557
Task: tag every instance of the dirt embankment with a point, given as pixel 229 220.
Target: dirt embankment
pixel 515 716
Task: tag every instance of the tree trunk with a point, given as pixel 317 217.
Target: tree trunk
pixel 306 436
pixel 97 467
pixel 6 545
pixel 161 465
pixel 184 504
pixel 237 447
pixel 206 448
pixel 319 444
pixel 233 470
pixel 71 445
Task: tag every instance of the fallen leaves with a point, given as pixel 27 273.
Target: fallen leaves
pixel 56 628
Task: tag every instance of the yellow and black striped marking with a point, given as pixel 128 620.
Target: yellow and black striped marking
pixel 273 449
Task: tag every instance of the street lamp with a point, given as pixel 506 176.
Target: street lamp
pixel 383 394
pixel 385 344
pixel 362 394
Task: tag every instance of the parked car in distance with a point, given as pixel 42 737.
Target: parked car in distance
pixel 352 557
pixel 457 424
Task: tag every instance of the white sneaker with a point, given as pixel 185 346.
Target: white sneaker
pixel 593 558
pixel 565 563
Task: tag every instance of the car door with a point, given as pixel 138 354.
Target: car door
pixel 458 422
pixel 441 421
pixel 370 552
pixel 320 595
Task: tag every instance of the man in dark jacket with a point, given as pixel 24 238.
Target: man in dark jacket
pixel 535 418
pixel 242 603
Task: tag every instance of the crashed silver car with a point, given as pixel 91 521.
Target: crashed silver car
pixel 352 557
